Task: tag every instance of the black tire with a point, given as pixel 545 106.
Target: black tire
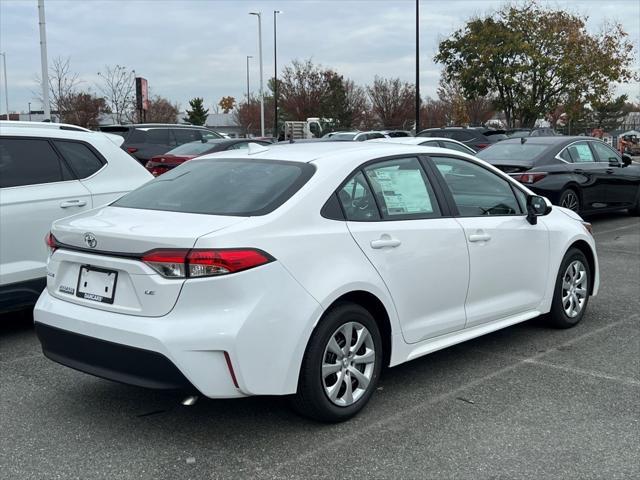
pixel 635 211
pixel 558 317
pixel 311 400
pixel 566 198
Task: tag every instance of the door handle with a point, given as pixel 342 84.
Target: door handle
pixel 385 241
pixel 609 170
pixel 73 203
pixel 479 237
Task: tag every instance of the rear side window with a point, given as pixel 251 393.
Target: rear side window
pixel 457 147
pixel 462 136
pixel 221 187
pixel 29 161
pixel 435 133
pixel 402 189
pixel 81 158
pixel 477 191
pixel 158 136
pixel 581 153
pixel 137 136
pixel 357 200
pixel 186 135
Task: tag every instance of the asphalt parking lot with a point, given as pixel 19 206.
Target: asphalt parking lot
pixel 525 402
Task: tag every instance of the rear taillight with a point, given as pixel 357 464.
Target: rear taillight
pixel 197 262
pixel 51 242
pixel 132 149
pixel 168 263
pixel 529 178
pixel 157 171
pixel 482 145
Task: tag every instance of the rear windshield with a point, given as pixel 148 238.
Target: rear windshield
pixel 343 136
pixel 195 148
pixel 512 151
pixel 221 187
pixel 122 131
pixel 495 135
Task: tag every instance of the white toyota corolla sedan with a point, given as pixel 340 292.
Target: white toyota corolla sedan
pixel 304 269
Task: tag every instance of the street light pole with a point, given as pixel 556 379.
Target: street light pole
pixel 6 91
pixel 259 15
pixel 417 66
pixel 43 61
pixel 248 57
pixel 275 75
pixel 29 111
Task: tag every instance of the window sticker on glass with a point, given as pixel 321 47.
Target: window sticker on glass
pixel 584 152
pixel 403 191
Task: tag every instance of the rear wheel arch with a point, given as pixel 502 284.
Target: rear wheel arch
pixel 378 311
pixel 575 188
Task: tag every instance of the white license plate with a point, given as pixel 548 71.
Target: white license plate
pixel 96 284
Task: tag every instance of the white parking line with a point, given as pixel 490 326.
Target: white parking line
pixel 591 373
pixel 596 232
pixel 453 393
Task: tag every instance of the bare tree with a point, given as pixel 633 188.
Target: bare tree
pixel 357 103
pixel 247 115
pixel 63 86
pixel 84 109
pixel 462 109
pixel 392 101
pixel 433 113
pixel 119 90
pixel 162 110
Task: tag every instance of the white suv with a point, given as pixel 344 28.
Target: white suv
pixel 50 171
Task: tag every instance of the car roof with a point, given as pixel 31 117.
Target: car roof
pixel 412 140
pixel 153 125
pixel 50 132
pixel 42 125
pixel 320 152
pixel 556 140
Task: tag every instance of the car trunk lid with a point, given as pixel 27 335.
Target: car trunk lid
pixel 98 260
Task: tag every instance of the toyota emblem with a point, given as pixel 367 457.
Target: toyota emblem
pixel 90 240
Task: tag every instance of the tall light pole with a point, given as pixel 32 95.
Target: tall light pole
pixel 29 111
pixel 6 91
pixel 43 61
pixel 259 15
pixel 248 57
pixel 417 66
pixel 275 74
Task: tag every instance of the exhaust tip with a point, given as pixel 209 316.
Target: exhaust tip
pixel 190 400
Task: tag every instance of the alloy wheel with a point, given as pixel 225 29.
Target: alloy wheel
pixel 570 201
pixel 574 288
pixel 348 364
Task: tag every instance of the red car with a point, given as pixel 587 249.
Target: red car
pixel 165 162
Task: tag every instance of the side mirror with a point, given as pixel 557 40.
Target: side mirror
pixel 626 160
pixel 536 207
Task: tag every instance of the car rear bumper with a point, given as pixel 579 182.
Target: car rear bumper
pixel 260 319
pixel 113 361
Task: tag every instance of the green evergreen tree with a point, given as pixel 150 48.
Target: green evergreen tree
pixel 198 114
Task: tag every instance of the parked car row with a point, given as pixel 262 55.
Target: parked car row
pixel 304 269
pixel 144 141
pixel 582 174
pixel 420 235
pixel 47 173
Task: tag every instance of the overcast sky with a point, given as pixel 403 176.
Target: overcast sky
pixel 194 48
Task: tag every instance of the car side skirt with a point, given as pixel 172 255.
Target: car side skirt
pixel 403 352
